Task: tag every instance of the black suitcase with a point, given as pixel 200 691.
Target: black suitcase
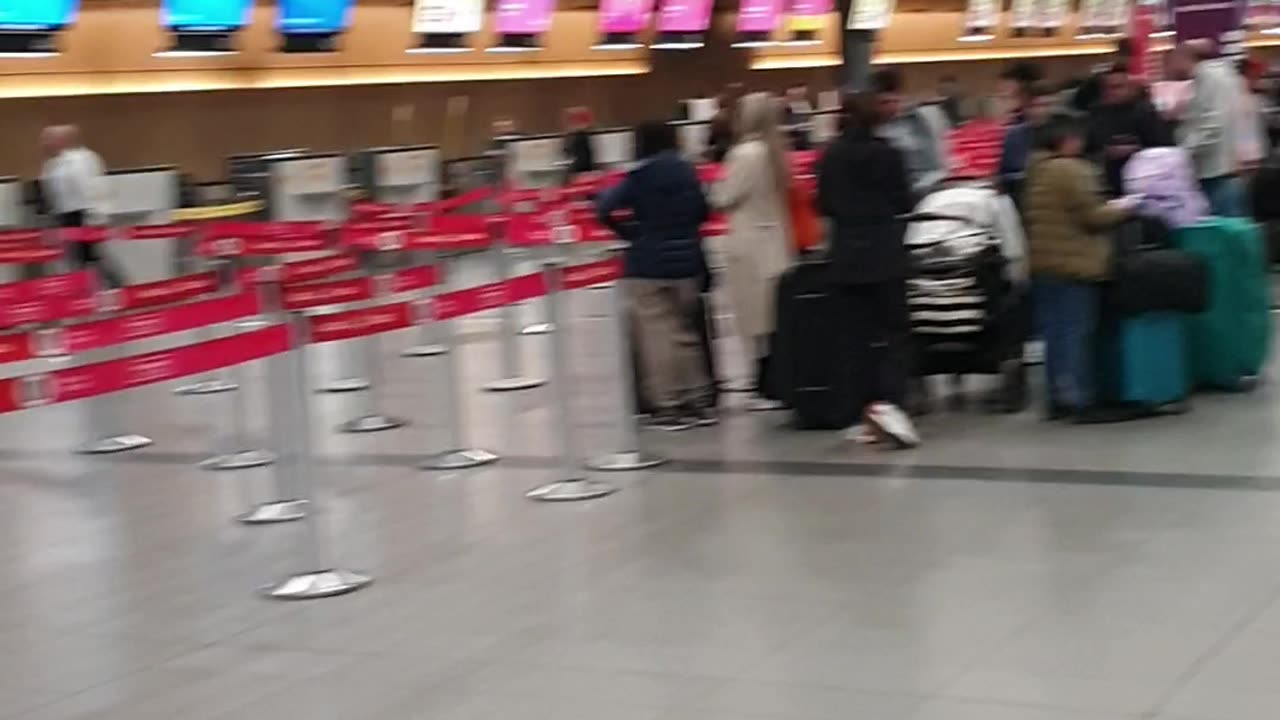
pixel 809 360
pixel 705 325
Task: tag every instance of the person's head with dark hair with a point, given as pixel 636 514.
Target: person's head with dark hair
pixel 1042 98
pixel 1015 83
pixel 1117 86
pixel 653 138
pixel 859 113
pixel 1063 135
pixel 1124 48
pixel 886 89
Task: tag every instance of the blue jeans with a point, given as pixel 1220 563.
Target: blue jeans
pixel 1225 195
pixel 1067 316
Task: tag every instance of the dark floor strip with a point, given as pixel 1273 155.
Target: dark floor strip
pixel 792 468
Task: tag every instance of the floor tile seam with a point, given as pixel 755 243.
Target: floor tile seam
pixel 1197 665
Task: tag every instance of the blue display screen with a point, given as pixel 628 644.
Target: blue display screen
pixel 36 14
pixel 313 16
pixel 209 15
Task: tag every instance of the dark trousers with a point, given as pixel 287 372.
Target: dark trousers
pixel 85 255
pixel 879 342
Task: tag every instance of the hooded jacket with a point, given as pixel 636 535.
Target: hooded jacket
pixel 667 210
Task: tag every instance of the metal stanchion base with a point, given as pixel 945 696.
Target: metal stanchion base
pixel 458 460
pixel 354 384
pixel 624 461
pixel 543 328
pixel 424 351
pixel 242 460
pixel 114 444
pixel 318 584
pixel 515 383
pixel 371 423
pixel 277 511
pixel 206 387
pixel 252 323
pixel 571 490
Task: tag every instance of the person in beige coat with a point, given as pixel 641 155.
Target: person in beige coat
pixel 758 247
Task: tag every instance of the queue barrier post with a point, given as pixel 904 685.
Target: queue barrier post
pixel 349 360
pixel 558 222
pixel 210 384
pixel 573 484
pixel 235 451
pixel 513 377
pixel 429 342
pixel 285 424
pixel 317 578
pixel 457 455
pixel 629 456
pixel 371 418
pixel 102 411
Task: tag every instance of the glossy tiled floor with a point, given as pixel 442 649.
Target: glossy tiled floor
pixel 1008 570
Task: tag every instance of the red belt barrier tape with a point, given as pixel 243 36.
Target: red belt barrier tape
pixel 163 292
pixel 131 372
pixel 28 254
pixel 456 224
pixel 72 284
pixel 446 242
pixel 577 277
pixel 46 310
pixel 165 231
pixel 358 323
pixel 99 334
pixel 21 237
pixel 376 234
pixel 488 297
pixel 338 292
pixel 453 203
pixel 14 348
pixel 301 271
pixel 334 292
pixel 84 234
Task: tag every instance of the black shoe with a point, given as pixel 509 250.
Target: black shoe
pixel 669 421
pixel 1106 414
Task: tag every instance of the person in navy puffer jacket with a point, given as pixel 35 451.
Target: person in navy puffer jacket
pixel 665 270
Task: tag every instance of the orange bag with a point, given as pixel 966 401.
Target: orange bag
pixel 806 230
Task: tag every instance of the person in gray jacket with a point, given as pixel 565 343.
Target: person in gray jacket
pixel 911 132
pixel 1204 124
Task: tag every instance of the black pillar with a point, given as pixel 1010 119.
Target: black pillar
pixel 855 51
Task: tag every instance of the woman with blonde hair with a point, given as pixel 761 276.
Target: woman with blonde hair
pixel 753 192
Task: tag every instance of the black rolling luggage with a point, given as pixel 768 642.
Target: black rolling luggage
pixel 810 360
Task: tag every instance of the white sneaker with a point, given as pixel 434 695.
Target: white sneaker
pixel 860 434
pixel 756 403
pixel 890 421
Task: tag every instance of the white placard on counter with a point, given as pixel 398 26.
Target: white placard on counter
pixel 537 154
pixel 312 176
pixel 613 148
pixel 398 168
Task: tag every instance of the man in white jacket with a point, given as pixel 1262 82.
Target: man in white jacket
pixel 1206 125
pixel 73 183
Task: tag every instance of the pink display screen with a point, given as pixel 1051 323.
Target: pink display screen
pixel 758 16
pixel 625 16
pixel 684 16
pixel 524 17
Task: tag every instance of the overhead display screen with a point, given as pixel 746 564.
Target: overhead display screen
pixel 204 15
pixel 313 16
pixel 758 16
pixel 447 17
pixel 625 16
pixel 524 17
pixel 36 14
pixel 684 16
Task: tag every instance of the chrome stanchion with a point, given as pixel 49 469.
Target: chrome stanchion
pixel 513 377
pixel 236 453
pixel 103 418
pixel 429 344
pixel 285 426
pixel 318 579
pixel 573 483
pixel 372 419
pixel 210 384
pixel 630 456
pixel 457 455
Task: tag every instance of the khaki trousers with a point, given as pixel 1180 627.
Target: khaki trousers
pixel 672 371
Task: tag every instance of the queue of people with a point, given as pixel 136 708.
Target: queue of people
pixel 1057 177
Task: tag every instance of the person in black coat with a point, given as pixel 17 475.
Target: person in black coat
pixel 577 141
pixel 1121 123
pixel 863 191
pixel 664 274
